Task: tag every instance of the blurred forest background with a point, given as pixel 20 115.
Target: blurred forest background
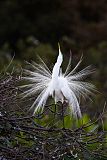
pixel 32 27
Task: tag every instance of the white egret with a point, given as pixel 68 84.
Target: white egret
pixel 67 87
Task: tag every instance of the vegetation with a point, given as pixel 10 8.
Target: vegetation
pixel 53 134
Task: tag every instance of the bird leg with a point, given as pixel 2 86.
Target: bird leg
pixel 64 105
pixel 62 115
pixel 55 111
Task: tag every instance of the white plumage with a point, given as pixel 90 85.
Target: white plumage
pixel 67 87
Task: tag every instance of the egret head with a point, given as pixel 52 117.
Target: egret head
pixel 60 56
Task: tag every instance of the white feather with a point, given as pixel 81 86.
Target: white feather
pixel 68 86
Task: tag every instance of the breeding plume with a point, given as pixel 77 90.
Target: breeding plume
pixel 67 87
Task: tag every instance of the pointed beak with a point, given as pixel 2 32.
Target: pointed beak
pixel 59 49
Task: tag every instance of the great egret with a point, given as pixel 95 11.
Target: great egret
pixel 67 87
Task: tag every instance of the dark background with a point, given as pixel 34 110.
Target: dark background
pixel 32 27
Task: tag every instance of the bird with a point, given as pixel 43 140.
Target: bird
pixel 64 87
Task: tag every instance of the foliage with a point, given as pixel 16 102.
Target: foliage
pixel 50 21
pixel 52 134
